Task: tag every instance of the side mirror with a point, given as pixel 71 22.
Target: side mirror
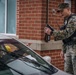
pixel 47 58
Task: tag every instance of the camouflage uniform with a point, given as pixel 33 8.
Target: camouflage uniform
pixel 68 49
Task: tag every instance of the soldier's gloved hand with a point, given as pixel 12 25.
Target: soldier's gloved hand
pixel 47 30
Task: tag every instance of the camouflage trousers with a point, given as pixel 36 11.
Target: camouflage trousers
pixel 70 60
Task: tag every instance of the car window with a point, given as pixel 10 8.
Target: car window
pixel 13 49
pixel 10 47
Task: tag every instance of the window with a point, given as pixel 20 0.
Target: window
pixel 8 16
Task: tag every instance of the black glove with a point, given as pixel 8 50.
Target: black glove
pixel 47 37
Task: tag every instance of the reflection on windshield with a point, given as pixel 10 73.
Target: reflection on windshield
pixel 12 50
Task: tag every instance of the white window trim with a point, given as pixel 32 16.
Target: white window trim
pixel 11 35
pixel 5 15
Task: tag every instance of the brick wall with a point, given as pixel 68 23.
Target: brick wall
pixel 73 6
pixel 31 20
pixel 31 17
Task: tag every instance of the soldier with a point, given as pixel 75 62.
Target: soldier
pixel 67 34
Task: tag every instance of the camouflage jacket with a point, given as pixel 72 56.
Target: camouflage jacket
pixel 67 32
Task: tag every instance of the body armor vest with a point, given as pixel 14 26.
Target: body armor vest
pixel 72 38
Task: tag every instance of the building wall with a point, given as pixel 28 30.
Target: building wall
pixel 73 2
pixel 31 20
pixel 29 25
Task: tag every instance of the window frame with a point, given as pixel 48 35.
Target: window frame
pixel 5 31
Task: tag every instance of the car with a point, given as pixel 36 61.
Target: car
pixel 18 59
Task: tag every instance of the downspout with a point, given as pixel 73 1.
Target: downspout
pixel 47 37
pixel 75 6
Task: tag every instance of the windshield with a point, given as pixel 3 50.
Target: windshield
pixel 11 49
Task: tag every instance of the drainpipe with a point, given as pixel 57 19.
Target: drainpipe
pixel 75 6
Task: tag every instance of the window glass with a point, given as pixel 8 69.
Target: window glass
pixel 8 16
pixel 11 17
pixel 2 16
pixel 10 47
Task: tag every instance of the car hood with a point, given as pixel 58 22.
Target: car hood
pixel 21 67
pixel 61 73
pixel 25 69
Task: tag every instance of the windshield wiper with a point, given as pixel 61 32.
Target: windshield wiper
pixel 11 68
pixel 37 64
pixel 17 55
